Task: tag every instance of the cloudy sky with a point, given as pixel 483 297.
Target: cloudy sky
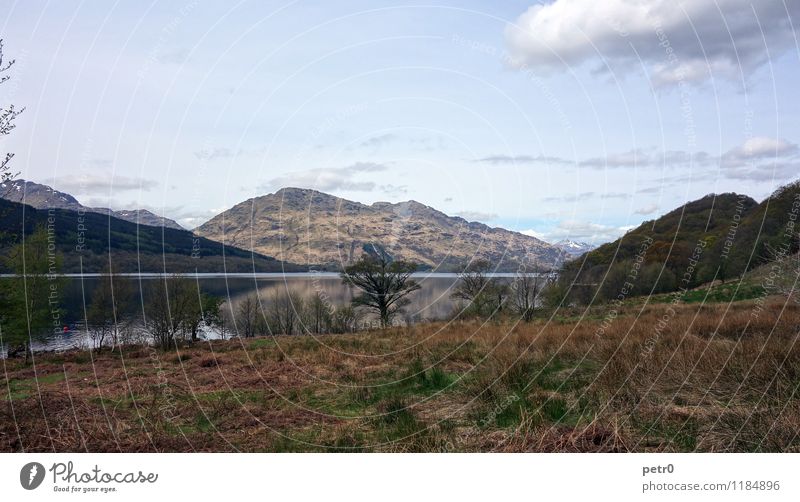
pixel 568 118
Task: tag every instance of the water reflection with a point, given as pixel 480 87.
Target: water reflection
pixel 431 302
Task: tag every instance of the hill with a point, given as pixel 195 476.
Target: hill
pixel 90 238
pixel 44 197
pixel 715 238
pixel 313 228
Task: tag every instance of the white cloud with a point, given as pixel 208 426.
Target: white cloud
pixel 222 152
pixel 582 231
pixel 677 40
pixel 101 182
pixel 758 148
pixel 648 209
pixel 394 190
pixel 378 141
pixel 631 158
pixel 522 159
pixel 477 216
pixel 533 233
pixel 328 179
pixel 214 153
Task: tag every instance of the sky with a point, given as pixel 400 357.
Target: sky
pixel 571 119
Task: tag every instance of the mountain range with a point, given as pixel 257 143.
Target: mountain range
pixel 45 197
pixel 311 228
pixel 88 242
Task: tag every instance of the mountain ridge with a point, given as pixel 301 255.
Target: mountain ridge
pixel 313 228
pixel 41 196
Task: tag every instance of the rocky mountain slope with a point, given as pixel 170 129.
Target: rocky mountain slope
pixel 44 197
pixel 312 228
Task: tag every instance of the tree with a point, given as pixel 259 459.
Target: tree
pixel 7 117
pixel 554 293
pixel 110 306
pixel 318 315
pixel 484 295
pixel 212 313
pixel 247 316
pixel 284 313
pixel 167 308
pixel 382 285
pixel 203 309
pixel 524 291
pixel 30 299
pixel 346 319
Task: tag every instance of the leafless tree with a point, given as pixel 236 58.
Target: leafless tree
pixel 285 313
pixel 247 313
pixel 107 314
pixel 485 296
pixel 7 117
pixel 524 291
pixel 318 315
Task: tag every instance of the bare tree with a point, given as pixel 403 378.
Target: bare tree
pixel 383 285
pixel 246 316
pixel 7 116
pixel 284 313
pixel 524 291
pixel 318 315
pixel 107 313
pixel 345 320
pixel 484 295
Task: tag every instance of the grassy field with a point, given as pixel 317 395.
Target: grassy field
pixel 689 377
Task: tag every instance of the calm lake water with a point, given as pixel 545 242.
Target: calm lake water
pixel 431 302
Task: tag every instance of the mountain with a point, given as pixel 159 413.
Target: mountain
pixel 717 237
pixel 316 229
pixel 87 241
pixel 573 248
pixel 44 197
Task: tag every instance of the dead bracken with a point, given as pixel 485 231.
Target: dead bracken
pixel 715 380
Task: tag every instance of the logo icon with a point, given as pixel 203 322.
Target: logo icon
pixel 31 475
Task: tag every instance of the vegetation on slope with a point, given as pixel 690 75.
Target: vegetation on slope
pixel 716 238
pixel 86 241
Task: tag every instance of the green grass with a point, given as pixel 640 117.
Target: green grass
pixel 398 421
pixel 415 380
pixel 22 389
pixel 724 293
pixel 261 343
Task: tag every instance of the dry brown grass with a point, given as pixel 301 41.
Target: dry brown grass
pixel 715 378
